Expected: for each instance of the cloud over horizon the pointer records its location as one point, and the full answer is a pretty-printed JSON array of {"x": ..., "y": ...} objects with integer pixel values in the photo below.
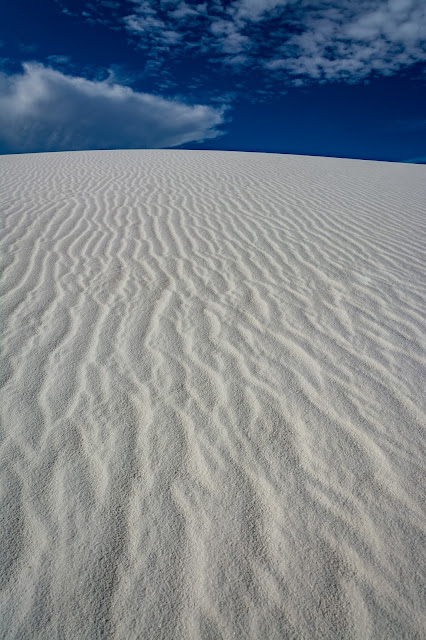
[{"x": 43, "y": 109}]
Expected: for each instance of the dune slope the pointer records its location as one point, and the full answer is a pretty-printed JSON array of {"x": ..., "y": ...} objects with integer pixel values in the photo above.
[{"x": 212, "y": 397}]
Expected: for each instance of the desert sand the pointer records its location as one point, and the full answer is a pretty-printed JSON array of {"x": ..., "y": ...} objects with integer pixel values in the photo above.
[{"x": 212, "y": 397}]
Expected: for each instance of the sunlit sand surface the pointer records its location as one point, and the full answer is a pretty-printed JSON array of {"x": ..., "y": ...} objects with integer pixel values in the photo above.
[{"x": 213, "y": 407}]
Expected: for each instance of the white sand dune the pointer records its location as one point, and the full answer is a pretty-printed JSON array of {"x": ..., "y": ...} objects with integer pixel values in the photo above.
[{"x": 213, "y": 409}]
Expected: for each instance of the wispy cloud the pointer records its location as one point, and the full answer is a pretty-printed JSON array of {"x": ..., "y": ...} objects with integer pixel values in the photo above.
[{"x": 43, "y": 109}]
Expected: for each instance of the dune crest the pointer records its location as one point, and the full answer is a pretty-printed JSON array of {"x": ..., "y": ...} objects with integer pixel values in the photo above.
[{"x": 212, "y": 396}]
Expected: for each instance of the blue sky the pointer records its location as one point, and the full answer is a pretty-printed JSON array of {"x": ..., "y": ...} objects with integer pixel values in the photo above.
[{"x": 313, "y": 77}]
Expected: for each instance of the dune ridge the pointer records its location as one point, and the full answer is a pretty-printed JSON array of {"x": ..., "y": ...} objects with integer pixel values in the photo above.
[{"x": 212, "y": 396}]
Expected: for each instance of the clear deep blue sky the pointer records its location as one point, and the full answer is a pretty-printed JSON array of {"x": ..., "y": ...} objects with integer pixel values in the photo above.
[{"x": 307, "y": 77}]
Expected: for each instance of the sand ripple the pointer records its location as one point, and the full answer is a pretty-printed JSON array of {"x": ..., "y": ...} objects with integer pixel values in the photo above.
[{"x": 213, "y": 409}]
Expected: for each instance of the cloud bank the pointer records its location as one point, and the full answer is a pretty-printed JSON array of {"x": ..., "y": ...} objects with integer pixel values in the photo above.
[{"x": 43, "y": 109}]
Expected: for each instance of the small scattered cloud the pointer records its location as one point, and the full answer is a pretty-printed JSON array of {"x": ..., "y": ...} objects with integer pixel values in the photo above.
[
  {"x": 183, "y": 10},
  {"x": 319, "y": 40},
  {"x": 43, "y": 109},
  {"x": 237, "y": 61},
  {"x": 229, "y": 37},
  {"x": 256, "y": 10},
  {"x": 287, "y": 42},
  {"x": 59, "y": 60},
  {"x": 349, "y": 41}
]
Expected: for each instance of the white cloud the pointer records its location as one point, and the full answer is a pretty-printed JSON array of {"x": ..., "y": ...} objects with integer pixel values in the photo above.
[
  {"x": 143, "y": 24},
  {"x": 46, "y": 110},
  {"x": 230, "y": 40},
  {"x": 183, "y": 11},
  {"x": 351, "y": 40},
  {"x": 255, "y": 10},
  {"x": 59, "y": 60},
  {"x": 323, "y": 40},
  {"x": 237, "y": 61}
]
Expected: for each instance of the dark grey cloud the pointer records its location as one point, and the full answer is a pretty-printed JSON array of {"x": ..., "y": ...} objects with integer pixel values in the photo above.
[{"x": 43, "y": 109}]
